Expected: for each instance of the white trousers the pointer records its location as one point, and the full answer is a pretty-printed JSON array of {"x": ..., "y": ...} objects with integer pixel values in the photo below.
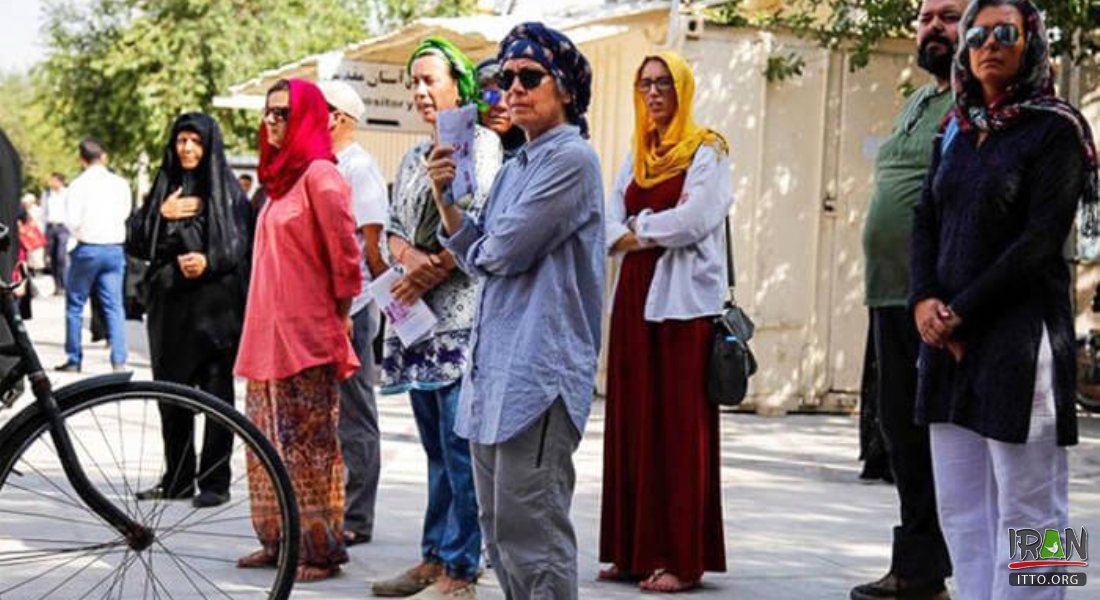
[{"x": 984, "y": 487}]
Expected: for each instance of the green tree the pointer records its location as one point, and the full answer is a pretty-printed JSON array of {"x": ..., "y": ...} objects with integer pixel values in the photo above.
[
  {"x": 38, "y": 138},
  {"x": 122, "y": 70},
  {"x": 858, "y": 25},
  {"x": 392, "y": 13}
]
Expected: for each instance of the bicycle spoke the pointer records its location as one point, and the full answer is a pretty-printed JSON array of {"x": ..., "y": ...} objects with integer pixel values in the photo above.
[
  {"x": 141, "y": 453},
  {"x": 89, "y": 456},
  {"x": 108, "y": 577},
  {"x": 119, "y": 573},
  {"x": 179, "y": 568},
  {"x": 153, "y": 576},
  {"x": 26, "y": 557},
  {"x": 50, "y": 481},
  {"x": 28, "y": 490},
  {"x": 55, "y": 568},
  {"x": 69, "y": 578},
  {"x": 222, "y": 510},
  {"x": 118, "y": 464},
  {"x": 24, "y": 513},
  {"x": 162, "y": 503}
]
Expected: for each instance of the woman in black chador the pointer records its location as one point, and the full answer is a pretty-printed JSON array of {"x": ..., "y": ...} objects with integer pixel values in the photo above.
[{"x": 191, "y": 230}]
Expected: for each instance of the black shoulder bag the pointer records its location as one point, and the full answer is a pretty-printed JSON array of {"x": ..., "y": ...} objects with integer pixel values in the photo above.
[{"x": 731, "y": 361}]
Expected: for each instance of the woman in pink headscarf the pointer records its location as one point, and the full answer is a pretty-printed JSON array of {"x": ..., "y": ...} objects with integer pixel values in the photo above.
[{"x": 295, "y": 345}]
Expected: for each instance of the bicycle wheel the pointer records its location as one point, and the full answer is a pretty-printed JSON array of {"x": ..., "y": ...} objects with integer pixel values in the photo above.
[{"x": 53, "y": 546}]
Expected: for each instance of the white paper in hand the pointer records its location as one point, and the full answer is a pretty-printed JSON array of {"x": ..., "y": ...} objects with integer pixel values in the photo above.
[
  {"x": 456, "y": 129},
  {"x": 412, "y": 323}
]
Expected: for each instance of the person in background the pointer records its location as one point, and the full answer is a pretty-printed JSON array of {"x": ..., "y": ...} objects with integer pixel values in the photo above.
[
  {"x": 990, "y": 292},
  {"x": 538, "y": 251},
  {"x": 31, "y": 234},
  {"x": 245, "y": 181},
  {"x": 919, "y": 561},
  {"x": 360, "y": 441},
  {"x": 493, "y": 109},
  {"x": 98, "y": 204},
  {"x": 55, "y": 201},
  {"x": 191, "y": 229},
  {"x": 295, "y": 347},
  {"x": 431, "y": 370}
]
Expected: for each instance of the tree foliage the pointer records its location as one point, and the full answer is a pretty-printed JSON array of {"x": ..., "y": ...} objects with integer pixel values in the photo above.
[
  {"x": 857, "y": 26},
  {"x": 37, "y": 136},
  {"x": 122, "y": 70}
]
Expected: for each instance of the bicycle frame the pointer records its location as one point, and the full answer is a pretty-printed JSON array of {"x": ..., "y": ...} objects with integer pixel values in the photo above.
[{"x": 137, "y": 536}]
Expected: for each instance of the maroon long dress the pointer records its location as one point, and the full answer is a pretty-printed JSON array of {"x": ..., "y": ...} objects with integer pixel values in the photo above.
[{"x": 662, "y": 498}]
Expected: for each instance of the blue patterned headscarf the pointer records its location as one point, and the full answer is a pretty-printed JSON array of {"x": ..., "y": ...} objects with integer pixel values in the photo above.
[{"x": 558, "y": 55}]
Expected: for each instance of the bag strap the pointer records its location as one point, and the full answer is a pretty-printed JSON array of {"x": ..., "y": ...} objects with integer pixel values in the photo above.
[{"x": 731, "y": 272}]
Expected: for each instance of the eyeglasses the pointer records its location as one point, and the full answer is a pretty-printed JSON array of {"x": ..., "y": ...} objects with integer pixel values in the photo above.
[
  {"x": 529, "y": 78},
  {"x": 1006, "y": 34},
  {"x": 277, "y": 113},
  {"x": 492, "y": 97},
  {"x": 663, "y": 84}
]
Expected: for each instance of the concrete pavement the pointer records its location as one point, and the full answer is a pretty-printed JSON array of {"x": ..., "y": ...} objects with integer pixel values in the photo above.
[{"x": 798, "y": 522}]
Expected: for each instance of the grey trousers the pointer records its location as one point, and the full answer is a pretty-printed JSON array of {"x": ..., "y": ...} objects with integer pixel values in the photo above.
[
  {"x": 525, "y": 488},
  {"x": 358, "y": 429}
]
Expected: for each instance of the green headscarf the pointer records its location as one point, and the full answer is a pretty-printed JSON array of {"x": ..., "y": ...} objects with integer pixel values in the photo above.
[{"x": 462, "y": 68}]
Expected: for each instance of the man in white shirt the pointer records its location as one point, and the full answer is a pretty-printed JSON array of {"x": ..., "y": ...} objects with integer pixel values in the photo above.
[
  {"x": 98, "y": 204},
  {"x": 358, "y": 429},
  {"x": 57, "y": 234}
]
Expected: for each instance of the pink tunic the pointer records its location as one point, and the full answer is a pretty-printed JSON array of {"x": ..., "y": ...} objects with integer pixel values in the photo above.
[{"x": 305, "y": 258}]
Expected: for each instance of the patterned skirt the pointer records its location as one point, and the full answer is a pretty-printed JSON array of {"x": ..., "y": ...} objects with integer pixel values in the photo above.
[{"x": 299, "y": 415}]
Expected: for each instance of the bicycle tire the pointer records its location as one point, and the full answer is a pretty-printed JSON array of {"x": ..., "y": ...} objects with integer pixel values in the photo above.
[{"x": 30, "y": 428}]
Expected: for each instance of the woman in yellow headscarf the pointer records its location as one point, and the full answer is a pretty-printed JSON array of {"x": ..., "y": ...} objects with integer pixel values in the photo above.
[{"x": 661, "y": 522}]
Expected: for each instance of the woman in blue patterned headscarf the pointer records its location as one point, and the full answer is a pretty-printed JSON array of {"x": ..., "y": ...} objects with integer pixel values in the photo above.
[
  {"x": 561, "y": 58},
  {"x": 538, "y": 251}
]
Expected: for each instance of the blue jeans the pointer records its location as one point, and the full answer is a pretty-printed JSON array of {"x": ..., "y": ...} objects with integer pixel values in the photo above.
[
  {"x": 100, "y": 268},
  {"x": 452, "y": 535}
]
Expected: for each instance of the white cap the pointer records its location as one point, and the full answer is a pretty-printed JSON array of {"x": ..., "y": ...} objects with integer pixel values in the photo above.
[{"x": 343, "y": 97}]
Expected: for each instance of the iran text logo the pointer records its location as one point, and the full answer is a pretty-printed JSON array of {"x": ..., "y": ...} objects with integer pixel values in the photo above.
[{"x": 1029, "y": 549}]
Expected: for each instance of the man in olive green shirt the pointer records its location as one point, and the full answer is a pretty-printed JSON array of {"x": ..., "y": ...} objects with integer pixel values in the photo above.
[{"x": 920, "y": 563}]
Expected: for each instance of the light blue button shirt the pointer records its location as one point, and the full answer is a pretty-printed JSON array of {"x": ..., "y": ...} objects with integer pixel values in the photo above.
[{"x": 538, "y": 250}]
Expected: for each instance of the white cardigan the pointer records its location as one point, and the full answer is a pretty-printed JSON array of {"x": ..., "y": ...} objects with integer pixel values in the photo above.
[{"x": 690, "y": 280}]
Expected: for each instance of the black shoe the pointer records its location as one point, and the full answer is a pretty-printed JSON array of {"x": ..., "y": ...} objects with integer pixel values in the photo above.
[
  {"x": 68, "y": 367},
  {"x": 207, "y": 499},
  {"x": 157, "y": 492},
  {"x": 893, "y": 587}
]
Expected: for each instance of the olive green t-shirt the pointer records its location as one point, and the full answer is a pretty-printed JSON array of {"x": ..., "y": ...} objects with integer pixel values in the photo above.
[{"x": 900, "y": 170}]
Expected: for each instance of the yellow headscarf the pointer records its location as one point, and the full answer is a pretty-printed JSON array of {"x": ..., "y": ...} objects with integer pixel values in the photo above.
[{"x": 656, "y": 159}]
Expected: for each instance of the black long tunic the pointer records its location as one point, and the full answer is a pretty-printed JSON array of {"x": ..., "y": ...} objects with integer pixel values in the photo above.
[
  {"x": 988, "y": 239},
  {"x": 191, "y": 321}
]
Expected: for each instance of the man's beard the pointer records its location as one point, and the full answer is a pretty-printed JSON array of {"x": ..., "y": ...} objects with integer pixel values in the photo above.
[{"x": 936, "y": 63}]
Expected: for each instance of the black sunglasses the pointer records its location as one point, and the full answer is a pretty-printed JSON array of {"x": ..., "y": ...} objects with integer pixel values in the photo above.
[
  {"x": 529, "y": 78},
  {"x": 277, "y": 113},
  {"x": 1006, "y": 34}
]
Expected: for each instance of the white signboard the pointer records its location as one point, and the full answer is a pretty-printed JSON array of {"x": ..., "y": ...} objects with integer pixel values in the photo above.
[{"x": 384, "y": 89}]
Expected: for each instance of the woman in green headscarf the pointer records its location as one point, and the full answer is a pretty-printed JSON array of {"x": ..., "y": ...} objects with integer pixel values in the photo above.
[{"x": 441, "y": 77}]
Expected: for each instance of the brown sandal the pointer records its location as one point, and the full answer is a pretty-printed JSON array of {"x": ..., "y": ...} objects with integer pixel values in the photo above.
[
  {"x": 310, "y": 573},
  {"x": 658, "y": 583},
  {"x": 259, "y": 559}
]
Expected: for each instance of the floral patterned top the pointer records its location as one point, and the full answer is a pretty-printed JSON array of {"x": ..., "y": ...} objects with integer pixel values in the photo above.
[{"x": 439, "y": 360}]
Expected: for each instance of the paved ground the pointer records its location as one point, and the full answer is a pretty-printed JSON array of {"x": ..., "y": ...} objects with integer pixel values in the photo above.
[{"x": 798, "y": 523}]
